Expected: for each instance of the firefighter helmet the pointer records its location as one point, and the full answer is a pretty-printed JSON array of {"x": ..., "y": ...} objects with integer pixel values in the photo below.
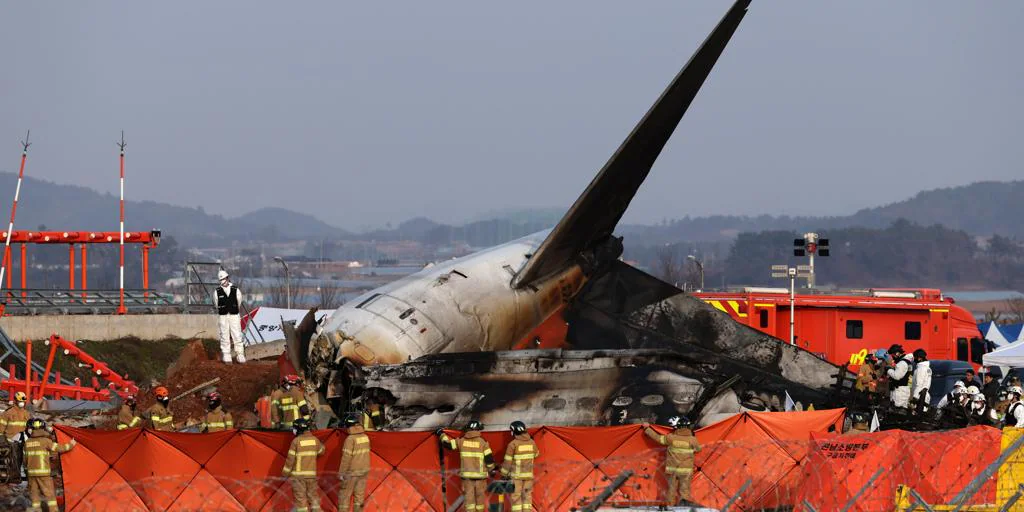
[
  {"x": 1016, "y": 390},
  {"x": 213, "y": 399},
  {"x": 973, "y": 390},
  {"x": 978, "y": 397},
  {"x": 351, "y": 419},
  {"x": 291, "y": 380},
  {"x": 474, "y": 425},
  {"x": 517, "y": 428},
  {"x": 300, "y": 425},
  {"x": 678, "y": 422},
  {"x": 130, "y": 399},
  {"x": 36, "y": 424},
  {"x": 20, "y": 397},
  {"x": 161, "y": 392}
]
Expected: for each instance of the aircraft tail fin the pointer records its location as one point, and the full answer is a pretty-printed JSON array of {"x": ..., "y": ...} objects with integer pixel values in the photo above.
[{"x": 593, "y": 217}]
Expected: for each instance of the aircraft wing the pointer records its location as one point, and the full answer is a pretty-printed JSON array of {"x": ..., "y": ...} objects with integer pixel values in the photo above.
[{"x": 594, "y": 215}]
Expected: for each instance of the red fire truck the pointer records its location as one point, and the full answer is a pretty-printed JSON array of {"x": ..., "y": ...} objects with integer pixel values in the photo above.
[{"x": 845, "y": 327}]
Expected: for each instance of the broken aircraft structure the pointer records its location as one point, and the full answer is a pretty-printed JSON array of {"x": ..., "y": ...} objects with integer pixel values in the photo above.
[{"x": 434, "y": 346}]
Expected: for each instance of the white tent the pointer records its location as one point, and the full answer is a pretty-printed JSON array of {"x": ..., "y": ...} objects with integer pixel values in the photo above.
[
  {"x": 1011, "y": 355},
  {"x": 990, "y": 331}
]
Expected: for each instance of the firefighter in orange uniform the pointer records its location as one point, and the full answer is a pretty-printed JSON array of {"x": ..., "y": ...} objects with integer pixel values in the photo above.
[
  {"x": 681, "y": 445},
  {"x": 38, "y": 450},
  {"x": 159, "y": 414},
  {"x": 355, "y": 465},
  {"x": 300, "y": 466},
  {"x": 286, "y": 401},
  {"x": 126, "y": 417},
  {"x": 216, "y": 420},
  {"x": 14, "y": 420},
  {"x": 518, "y": 466},
  {"x": 476, "y": 461}
]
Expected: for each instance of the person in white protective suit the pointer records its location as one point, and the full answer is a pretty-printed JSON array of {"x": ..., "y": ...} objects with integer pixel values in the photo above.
[
  {"x": 227, "y": 300},
  {"x": 922, "y": 380},
  {"x": 1015, "y": 413},
  {"x": 901, "y": 373}
]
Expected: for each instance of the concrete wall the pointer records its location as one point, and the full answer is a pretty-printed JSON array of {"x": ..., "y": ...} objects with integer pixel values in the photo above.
[{"x": 109, "y": 327}]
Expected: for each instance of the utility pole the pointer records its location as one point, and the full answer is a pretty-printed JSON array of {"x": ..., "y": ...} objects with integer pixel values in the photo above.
[
  {"x": 810, "y": 245},
  {"x": 287, "y": 281},
  {"x": 121, "y": 309},
  {"x": 699, "y": 266},
  {"x": 784, "y": 271}
]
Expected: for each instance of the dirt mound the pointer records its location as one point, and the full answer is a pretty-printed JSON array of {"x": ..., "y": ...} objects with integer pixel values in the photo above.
[
  {"x": 240, "y": 386},
  {"x": 194, "y": 351}
]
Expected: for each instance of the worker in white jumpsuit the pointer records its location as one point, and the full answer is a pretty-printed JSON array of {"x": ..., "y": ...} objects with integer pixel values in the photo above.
[
  {"x": 900, "y": 375},
  {"x": 1015, "y": 413},
  {"x": 922, "y": 378},
  {"x": 227, "y": 300}
]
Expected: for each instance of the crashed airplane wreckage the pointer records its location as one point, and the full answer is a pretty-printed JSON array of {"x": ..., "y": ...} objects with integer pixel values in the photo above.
[{"x": 436, "y": 346}]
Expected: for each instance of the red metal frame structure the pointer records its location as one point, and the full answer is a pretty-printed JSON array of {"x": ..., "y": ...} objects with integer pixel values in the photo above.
[
  {"x": 148, "y": 240},
  {"x": 37, "y": 388}
]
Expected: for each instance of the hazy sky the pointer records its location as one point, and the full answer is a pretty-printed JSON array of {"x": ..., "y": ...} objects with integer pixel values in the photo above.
[{"x": 369, "y": 112}]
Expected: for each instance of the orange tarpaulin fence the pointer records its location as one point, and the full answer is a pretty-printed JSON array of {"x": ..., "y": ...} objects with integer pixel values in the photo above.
[{"x": 784, "y": 455}]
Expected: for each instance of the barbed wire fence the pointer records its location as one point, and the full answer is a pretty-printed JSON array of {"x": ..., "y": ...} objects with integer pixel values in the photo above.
[{"x": 967, "y": 469}]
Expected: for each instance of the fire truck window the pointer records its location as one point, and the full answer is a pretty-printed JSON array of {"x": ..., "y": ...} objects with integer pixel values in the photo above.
[
  {"x": 977, "y": 350},
  {"x": 961, "y": 349},
  {"x": 912, "y": 330},
  {"x": 764, "y": 318},
  {"x": 854, "y": 329}
]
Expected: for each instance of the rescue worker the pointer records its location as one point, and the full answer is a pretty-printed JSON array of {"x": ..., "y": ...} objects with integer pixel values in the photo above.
[
  {"x": 159, "y": 414},
  {"x": 900, "y": 375},
  {"x": 922, "y": 380},
  {"x": 1015, "y": 413},
  {"x": 14, "y": 420},
  {"x": 262, "y": 410},
  {"x": 227, "y": 300},
  {"x": 355, "y": 465},
  {"x": 286, "y": 401},
  {"x": 518, "y": 466},
  {"x": 953, "y": 396},
  {"x": 300, "y": 466},
  {"x": 373, "y": 415},
  {"x": 38, "y": 450},
  {"x": 867, "y": 375},
  {"x": 476, "y": 461},
  {"x": 126, "y": 417},
  {"x": 682, "y": 445},
  {"x": 981, "y": 413},
  {"x": 216, "y": 420}
]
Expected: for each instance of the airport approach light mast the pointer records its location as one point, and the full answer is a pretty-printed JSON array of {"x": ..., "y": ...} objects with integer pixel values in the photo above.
[
  {"x": 810, "y": 245},
  {"x": 14, "y": 208},
  {"x": 121, "y": 309}
]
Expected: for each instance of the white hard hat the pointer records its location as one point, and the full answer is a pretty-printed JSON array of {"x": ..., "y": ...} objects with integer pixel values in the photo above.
[
  {"x": 1017, "y": 390},
  {"x": 960, "y": 384},
  {"x": 973, "y": 390},
  {"x": 978, "y": 397},
  {"x": 222, "y": 275}
]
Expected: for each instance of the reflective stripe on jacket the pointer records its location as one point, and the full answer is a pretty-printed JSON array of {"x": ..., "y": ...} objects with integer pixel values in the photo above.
[
  {"x": 475, "y": 456},
  {"x": 161, "y": 418},
  {"x": 284, "y": 405},
  {"x": 38, "y": 450},
  {"x": 13, "y": 421},
  {"x": 126, "y": 418},
  {"x": 681, "y": 446},
  {"x": 355, "y": 453},
  {"x": 519, "y": 457},
  {"x": 217, "y": 420},
  {"x": 302, "y": 454}
]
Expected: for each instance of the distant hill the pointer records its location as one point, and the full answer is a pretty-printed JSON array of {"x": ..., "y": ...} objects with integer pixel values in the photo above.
[
  {"x": 68, "y": 207},
  {"x": 982, "y": 208}
]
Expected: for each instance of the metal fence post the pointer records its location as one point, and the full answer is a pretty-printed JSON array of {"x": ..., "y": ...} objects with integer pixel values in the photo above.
[
  {"x": 853, "y": 499},
  {"x": 736, "y": 496}
]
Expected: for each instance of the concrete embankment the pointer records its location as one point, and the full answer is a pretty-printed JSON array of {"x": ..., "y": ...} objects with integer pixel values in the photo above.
[{"x": 110, "y": 327}]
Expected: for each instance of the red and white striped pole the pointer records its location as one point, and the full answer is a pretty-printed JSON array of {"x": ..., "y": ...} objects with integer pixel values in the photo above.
[
  {"x": 121, "y": 309},
  {"x": 14, "y": 208}
]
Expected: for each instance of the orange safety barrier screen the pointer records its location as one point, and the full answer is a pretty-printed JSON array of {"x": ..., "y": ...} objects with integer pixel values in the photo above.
[
  {"x": 938, "y": 465},
  {"x": 788, "y": 457}
]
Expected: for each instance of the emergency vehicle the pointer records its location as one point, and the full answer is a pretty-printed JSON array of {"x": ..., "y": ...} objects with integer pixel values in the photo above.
[{"x": 845, "y": 327}]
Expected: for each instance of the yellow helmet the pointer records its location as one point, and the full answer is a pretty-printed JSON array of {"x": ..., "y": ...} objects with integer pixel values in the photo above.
[{"x": 20, "y": 397}]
